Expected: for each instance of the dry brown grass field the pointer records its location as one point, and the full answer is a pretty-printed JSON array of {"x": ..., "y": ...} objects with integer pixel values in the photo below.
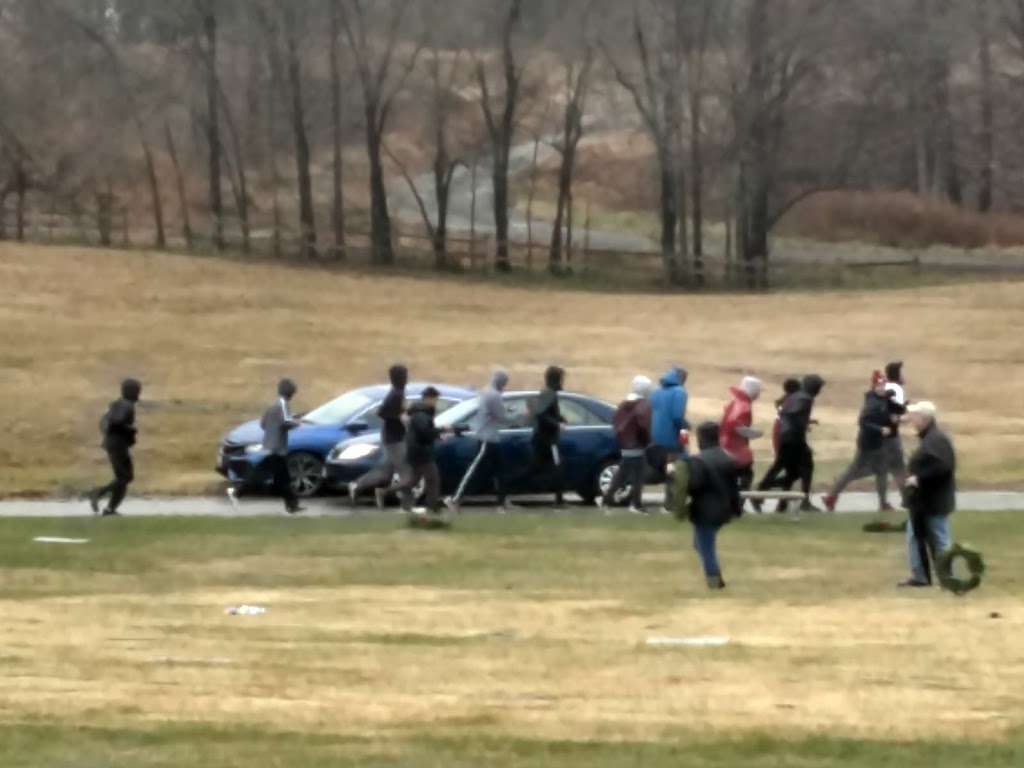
[{"x": 210, "y": 337}]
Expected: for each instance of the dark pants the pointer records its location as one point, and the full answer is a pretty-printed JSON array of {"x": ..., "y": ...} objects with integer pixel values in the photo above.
[
  {"x": 277, "y": 467},
  {"x": 865, "y": 464},
  {"x": 488, "y": 459},
  {"x": 544, "y": 471},
  {"x": 793, "y": 462},
  {"x": 630, "y": 472},
  {"x": 431, "y": 478},
  {"x": 392, "y": 463},
  {"x": 124, "y": 473},
  {"x": 661, "y": 457},
  {"x": 705, "y": 539}
]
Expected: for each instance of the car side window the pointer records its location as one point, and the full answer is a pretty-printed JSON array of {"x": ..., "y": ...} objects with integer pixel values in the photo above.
[
  {"x": 577, "y": 415},
  {"x": 518, "y": 410},
  {"x": 444, "y": 404}
]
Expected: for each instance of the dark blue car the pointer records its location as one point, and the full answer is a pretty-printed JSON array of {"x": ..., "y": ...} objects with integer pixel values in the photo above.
[
  {"x": 588, "y": 448},
  {"x": 354, "y": 413}
]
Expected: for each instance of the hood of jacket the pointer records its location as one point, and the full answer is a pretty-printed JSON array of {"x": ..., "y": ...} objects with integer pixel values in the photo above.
[
  {"x": 419, "y": 408},
  {"x": 554, "y": 378},
  {"x": 675, "y": 377},
  {"x": 131, "y": 390},
  {"x": 398, "y": 375},
  {"x": 813, "y": 385},
  {"x": 499, "y": 379}
]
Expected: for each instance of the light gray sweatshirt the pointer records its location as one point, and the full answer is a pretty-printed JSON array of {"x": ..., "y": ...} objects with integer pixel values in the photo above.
[{"x": 492, "y": 416}]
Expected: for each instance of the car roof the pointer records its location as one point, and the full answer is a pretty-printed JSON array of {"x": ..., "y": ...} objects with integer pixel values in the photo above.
[{"x": 378, "y": 391}]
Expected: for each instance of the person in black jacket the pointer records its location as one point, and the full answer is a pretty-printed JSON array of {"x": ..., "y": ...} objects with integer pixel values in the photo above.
[
  {"x": 796, "y": 459},
  {"x": 421, "y": 436},
  {"x": 930, "y": 495},
  {"x": 119, "y": 433},
  {"x": 714, "y": 499},
  {"x": 545, "y": 468},
  {"x": 392, "y": 437},
  {"x": 875, "y": 425}
]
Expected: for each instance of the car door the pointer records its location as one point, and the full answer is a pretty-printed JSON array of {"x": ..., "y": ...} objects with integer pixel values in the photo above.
[
  {"x": 585, "y": 442},
  {"x": 455, "y": 454},
  {"x": 515, "y": 439}
]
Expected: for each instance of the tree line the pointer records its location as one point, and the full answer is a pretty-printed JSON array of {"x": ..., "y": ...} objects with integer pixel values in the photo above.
[{"x": 749, "y": 107}]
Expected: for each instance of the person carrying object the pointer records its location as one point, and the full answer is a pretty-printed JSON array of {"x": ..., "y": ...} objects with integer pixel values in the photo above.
[
  {"x": 632, "y": 424},
  {"x": 119, "y": 434}
]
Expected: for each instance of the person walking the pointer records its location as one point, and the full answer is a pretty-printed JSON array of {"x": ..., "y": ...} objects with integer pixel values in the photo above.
[
  {"x": 668, "y": 418},
  {"x": 392, "y": 436},
  {"x": 895, "y": 464},
  {"x": 796, "y": 458},
  {"x": 875, "y": 424},
  {"x": 737, "y": 428},
  {"x": 632, "y": 424},
  {"x": 277, "y": 422},
  {"x": 119, "y": 434},
  {"x": 714, "y": 499},
  {"x": 930, "y": 494},
  {"x": 491, "y": 418},
  {"x": 421, "y": 436}
]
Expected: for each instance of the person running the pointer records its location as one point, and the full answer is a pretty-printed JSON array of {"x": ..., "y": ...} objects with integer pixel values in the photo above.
[
  {"x": 875, "y": 424},
  {"x": 421, "y": 436},
  {"x": 789, "y": 387},
  {"x": 931, "y": 493},
  {"x": 277, "y": 422},
  {"x": 668, "y": 419},
  {"x": 491, "y": 418},
  {"x": 737, "y": 428},
  {"x": 119, "y": 434},
  {"x": 714, "y": 499},
  {"x": 632, "y": 424},
  {"x": 796, "y": 459},
  {"x": 545, "y": 467},
  {"x": 895, "y": 464},
  {"x": 392, "y": 436}
]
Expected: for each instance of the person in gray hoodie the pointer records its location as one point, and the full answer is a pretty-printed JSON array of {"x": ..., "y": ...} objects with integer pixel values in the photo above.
[
  {"x": 277, "y": 422},
  {"x": 491, "y": 418}
]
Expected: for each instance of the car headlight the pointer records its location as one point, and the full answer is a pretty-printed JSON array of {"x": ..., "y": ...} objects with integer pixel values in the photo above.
[
  {"x": 355, "y": 452},
  {"x": 254, "y": 448}
]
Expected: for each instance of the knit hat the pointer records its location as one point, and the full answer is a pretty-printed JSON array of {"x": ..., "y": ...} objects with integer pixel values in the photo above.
[
  {"x": 751, "y": 386},
  {"x": 640, "y": 388},
  {"x": 894, "y": 371}
]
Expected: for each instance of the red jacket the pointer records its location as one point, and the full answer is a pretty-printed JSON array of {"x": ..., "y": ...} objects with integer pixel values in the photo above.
[{"x": 738, "y": 413}]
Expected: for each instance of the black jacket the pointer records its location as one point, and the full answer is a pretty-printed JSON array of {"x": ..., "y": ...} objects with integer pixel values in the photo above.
[
  {"x": 714, "y": 483},
  {"x": 795, "y": 415},
  {"x": 118, "y": 425},
  {"x": 547, "y": 416},
  {"x": 874, "y": 417},
  {"x": 422, "y": 434},
  {"x": 934, "y": 466}
]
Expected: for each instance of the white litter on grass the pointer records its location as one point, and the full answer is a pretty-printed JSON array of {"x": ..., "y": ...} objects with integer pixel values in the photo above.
[
  {"x": 58, "y": 540},
  {"x": 245, "y": 610},
  {"x": 689, "y": 642}
]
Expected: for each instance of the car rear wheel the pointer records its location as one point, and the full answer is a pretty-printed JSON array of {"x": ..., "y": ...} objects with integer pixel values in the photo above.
[
  {"x": 603, "y": 481},
  {"x": 307, "y": 473}
]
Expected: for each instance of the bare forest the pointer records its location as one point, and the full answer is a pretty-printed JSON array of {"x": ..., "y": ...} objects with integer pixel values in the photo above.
[{"x": 513, "y": 133}]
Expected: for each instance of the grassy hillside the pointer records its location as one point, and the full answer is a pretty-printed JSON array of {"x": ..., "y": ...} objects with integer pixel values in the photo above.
[{"x": 211, "y": 337}]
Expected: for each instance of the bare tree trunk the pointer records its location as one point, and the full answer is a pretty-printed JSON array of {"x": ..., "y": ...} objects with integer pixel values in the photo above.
[
  {"x": 273, "y": 134},
  {"x": 237, "y": 173},
  {"x": 697, "y": 184},
  {"x": 307, "y": 222},
  {"x": 472, "y": 214},
  {"x": 213, "y": 124},
  {"x": 21, "y": 190},
  {"x": 986, "y": 182},
  {"x": 337, "y": 201},
  {"x": 179, "y": 180},
  {"x": 531, "y": 195},
  {"x": 668, "y": 214}
]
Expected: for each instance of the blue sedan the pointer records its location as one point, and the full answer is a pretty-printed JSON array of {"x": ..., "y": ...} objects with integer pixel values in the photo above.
[
  {"x": 354, "y": 413},
  {"x": 587, "y": 446}
]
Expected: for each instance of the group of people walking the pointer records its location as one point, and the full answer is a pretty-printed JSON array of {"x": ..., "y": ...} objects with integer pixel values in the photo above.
[{"x": 653, "y": 433}]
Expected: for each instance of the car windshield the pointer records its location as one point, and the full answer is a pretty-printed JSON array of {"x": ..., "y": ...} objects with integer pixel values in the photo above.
[
  {"x": 340, "y": 410},
  {"x": 457, "y": 413}
]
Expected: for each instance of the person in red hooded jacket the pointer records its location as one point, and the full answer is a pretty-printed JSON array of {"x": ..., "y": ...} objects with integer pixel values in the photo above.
[{"x": 737, "y": 428}]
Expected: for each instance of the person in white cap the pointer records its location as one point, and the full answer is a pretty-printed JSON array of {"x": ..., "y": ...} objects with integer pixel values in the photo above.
[
  {"x": 632, "y": 424},
  {"x": 930, "y": 495}
]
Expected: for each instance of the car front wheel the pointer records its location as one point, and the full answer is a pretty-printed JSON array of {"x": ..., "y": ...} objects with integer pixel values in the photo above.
[
  {"x": 603, "y": 481},
  {"x": 307, "y": 473}
]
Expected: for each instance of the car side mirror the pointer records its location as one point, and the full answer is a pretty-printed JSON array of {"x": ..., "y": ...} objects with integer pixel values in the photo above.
[{"x": 357, "y": 427}]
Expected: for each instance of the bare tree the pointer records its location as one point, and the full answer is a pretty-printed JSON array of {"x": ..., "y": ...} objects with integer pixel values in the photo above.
[
  {"x": 500, "y": 121},
  {"x": 380, "y": 86},
  {"x": 987, "y": 105},
  {"x": 307, "y": 220},
  {"x": 208, "y": 12},
  {"x": 179, "y": 183},
  {"x": 337, "y": 200}
]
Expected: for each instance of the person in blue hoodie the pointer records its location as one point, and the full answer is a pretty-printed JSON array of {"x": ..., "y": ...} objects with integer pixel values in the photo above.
[{"x": 668, "y": 418}]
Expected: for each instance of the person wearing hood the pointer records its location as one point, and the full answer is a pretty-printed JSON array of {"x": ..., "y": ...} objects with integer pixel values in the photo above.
[
  {"x": 545, "y": 468},
  {"x": 930, "y": 493},
  {"x": 875, "y": 425},
  {"x": 392, "y": 437},
  {"x": 737, "y": 428},
  {"x": 491, "y": 418},
  {"x": 277, "y": 422},
  {"x": 119, "y": 434},
  {"x": 796, "y": 459},
  {"x": 668, "y": 418},
  {"x": 714, "y": 499},
  {"x": 895, "y": 464},
  {"x": 632, "y": 424},
  {"x": 421, "y": 436}
]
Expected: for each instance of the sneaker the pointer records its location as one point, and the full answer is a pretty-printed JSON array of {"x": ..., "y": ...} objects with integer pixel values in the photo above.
[
  {"x": 380, "y": 497},
  {"x": 601, "y": 503},
  {"x": 110, "y": 513},
  {"x": 353, "y": 493},
  {"x": 716, "y": 582},
  {"x": 783, "y": 507},
  {"x": 887, "y": 507},
  {"x": 232, "y": 494},
  {"x": 637, "y": 510},
  {"x": 913, "y": 584},
  {"x": 295, "y": 510},
  {"x": 757, "y": 505},
  {"x": 94, "y": 503},
  {"x": 453, "y": 506},
  {"x": 807, "y": 506},
  {"x": 830, "y": 501}
]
